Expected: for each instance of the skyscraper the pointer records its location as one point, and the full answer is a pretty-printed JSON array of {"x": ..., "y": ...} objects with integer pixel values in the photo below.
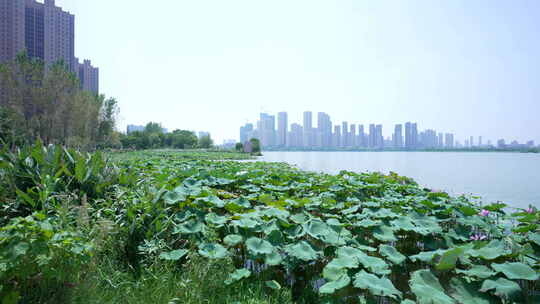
[
  {"x": 344, "y": 134},
  {"x": 398, "y": 136},
  {"x": 282, "y": 129},
  {"x": 295, "y": 138},
  {"x": 308, "y": 129},
  {"x": 324, "y": 130},
  {"x": 471, "y": 141},
  {"x": 337, "y": 136},
  {"x": 46, "y": 32},
  {"x": 441, "y": 140},
  {"x": 372, "y": 143},
  {"x": 361, "y": 136},
  {"x": 449, "y": 140},
  {"x": 88, "y": 76},
  {"x": 352, "y": 136},
  {"x": 267, "y": 129},
  {"x": 245, "y": 132},
  {"x": 379, "y": 139}
]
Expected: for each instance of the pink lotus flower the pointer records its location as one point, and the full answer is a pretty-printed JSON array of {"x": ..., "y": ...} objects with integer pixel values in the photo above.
[
  {"x": 478, "y": 237},
  {"x": 530, "y": 210},
  {"x": 484, "y": 212}
]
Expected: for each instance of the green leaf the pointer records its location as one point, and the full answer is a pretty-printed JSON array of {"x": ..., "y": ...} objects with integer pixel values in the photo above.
[
  {"x": 273, "y": 259},
  {"x": 237, "y": 275},
  {"x": 468, "y": 293},
  {"x": 174, "y": 255},
  {"x": 516, "y": 271},
  {"x": 273, "y": 285},
  {"x": 215, "y": 219},
  {"x": 213, "y": 251},
  {"x": 259, "y": 246},
  {"x": 332, "y": 286},
  {"x": 449, "y": 259},
  {"x": 427, "y": 288},
  {"x": 479, "y": 271},
  {"x": 392, "y": 254},
  {"x": 26, "y": 198},
  {"x": 491, "y": 251},
  {"x": 302, "y": 251},
  {"x": 384, "y": 234},
  {"x": 503, "y": 288},
  {"x": 374, "y": 264},
  {"x": 377, "y": 286},
  {"x": 189, "y": 227},
  {"x": 20, "y": 249},
  {"x": 535, "y": 238},
  {"x": 232, "y": 240}
]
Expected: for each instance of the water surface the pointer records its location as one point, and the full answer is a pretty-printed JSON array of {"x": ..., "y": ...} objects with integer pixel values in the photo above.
[{"x": 512, "y": 178}]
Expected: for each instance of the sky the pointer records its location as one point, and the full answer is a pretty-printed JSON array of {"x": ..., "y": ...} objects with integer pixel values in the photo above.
[{"x": 467, "y": 67}]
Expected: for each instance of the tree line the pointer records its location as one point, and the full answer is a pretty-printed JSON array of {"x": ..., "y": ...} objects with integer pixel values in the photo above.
[
  {"x": 153, "y": 136},
  {"x": 47, "y": 103}
]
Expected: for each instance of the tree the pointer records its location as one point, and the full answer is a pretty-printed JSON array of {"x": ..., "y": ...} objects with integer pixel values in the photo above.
[
  {"x": 255, "y": 145},
  {"x": 183, "y": 139},
  {"x": 206, "y": 142},
  {"x": 239, "y": 147}
]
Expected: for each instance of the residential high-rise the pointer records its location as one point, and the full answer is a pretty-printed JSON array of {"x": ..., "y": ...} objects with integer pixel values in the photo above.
[
  {"x": 344, "y": 134},
  {"x": 308, "y": 129},
  {"x": 246, "y": 132},
  {"x": 362, "y": 142},
  {"x": 295, "y": 138},
  {"x": 352, "y": 136},
  {"x": 471, "y": 141},
  {"x": 88, "y": 76},
  {"x": 266, "y": 127},
  {"x": 324, "y": 130},
  {"x": 337, "y": 136},
  {"x": 441, "y": 140},
  {"x": 46, "y": 32},
  {"x": 282, "y": 129},
  {"x": 449, "y": 140},
  {"x": 372, "y": 142},
  {"x": 398, "y": 136},
  {"x": 479, "y": 141},
  {"x": 379, "y": 139},
  {"x": 12, "y": 28}
]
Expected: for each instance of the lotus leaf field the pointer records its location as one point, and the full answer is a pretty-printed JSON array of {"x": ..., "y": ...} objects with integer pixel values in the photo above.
[{"x": 301, "y": 237}]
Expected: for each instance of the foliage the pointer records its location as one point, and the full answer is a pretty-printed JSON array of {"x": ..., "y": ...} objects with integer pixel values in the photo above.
[
  {"x": 206, "y": 142},
  {"x": 153, "y": 137},
  {"x": 180, "y": 224},
  {"x": 239, "y": 147},
  {"x": 255, "y": 145},
  {"x": 47, "y": 103}
]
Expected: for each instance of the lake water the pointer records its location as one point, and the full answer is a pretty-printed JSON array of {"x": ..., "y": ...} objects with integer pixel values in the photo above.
[{"x": 512, "y": 178}]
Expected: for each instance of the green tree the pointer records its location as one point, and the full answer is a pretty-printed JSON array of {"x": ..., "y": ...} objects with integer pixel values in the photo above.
[
  {"x": 206, "y": 142},
  {"x": 239, "y": 147},
  {"x": 255, "y": 145}
]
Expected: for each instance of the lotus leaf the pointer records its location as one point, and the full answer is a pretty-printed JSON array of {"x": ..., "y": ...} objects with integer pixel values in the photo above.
[{"x": 377, "y": 286}]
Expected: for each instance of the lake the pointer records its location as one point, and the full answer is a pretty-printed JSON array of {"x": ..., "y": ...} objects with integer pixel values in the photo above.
[{"x": 512, "y": 178}]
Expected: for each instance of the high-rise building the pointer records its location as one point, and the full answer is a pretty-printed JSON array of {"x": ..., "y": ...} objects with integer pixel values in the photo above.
[
  {"x": 295, "y": 138},
  {"x": 344, "y": 134},
  {"x": 12, "y": 28},
  {"x": 46, "y": 32},
  {"x": 449, "y": 140},
  {"x": 379, "y": 139},
  {"x": 266, "y": 127},
  {"x": 352, "y": 136},
  {"x": 397, "y": 139},
  {"x": 88, "y": 76},
  {"x": 441, "y": 140},
  {"x": 337, "y": 136},
  {"x": 246, "y": 132},
  {"x": 282, "y": 129},
  {"x": 414, "y": 135},
  {"x": 324, "y": 130},
  {"x": 479, "y": 141},
  {"x": 308, "y": 129},
  {"x": 362, "y": 142},
  {"x": 471, "y": 141}
]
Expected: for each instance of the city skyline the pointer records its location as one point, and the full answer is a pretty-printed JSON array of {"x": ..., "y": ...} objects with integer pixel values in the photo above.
[
  {"x": 393, "y": 60},
  {"x": 344, "y": 135}
]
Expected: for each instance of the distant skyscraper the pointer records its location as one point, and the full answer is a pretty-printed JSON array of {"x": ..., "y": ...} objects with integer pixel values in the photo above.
[
  {"x": 295, "y": 138},
  {"x": 361, "y": 136},
  {"x": 267, "y": 129},
  {"x": 344, "y": 134},
  {"x": 379, "y": 139},
  {"x": 471, "y": 141},
  {"x": 246, "y": 132},
  {"x": 372, "y": 136},
  {"x": 408, "y": 135},
  {"x": 324, "y": 130},
  {"x": 282, "y": 129},
  {"x": 352, "y": 136},
  {"x": 441, "y": 140},
  {"x": 308, "y": 129},
  {"x": 449, "y": 140},
  {"x": 337, "y": 136},
  {"x": 414, "y": 135},
  {"x": 480, "y": 141},
  {"x": 398, "y": 136}
]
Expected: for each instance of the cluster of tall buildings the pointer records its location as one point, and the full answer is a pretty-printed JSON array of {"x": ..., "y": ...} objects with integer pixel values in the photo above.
[
  {"x": 344, "y": 135},
  {"x": 46, "y": 32}
]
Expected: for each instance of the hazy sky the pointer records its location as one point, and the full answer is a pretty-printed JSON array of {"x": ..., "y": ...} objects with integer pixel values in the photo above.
[{"x": 468, "y": 67}]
